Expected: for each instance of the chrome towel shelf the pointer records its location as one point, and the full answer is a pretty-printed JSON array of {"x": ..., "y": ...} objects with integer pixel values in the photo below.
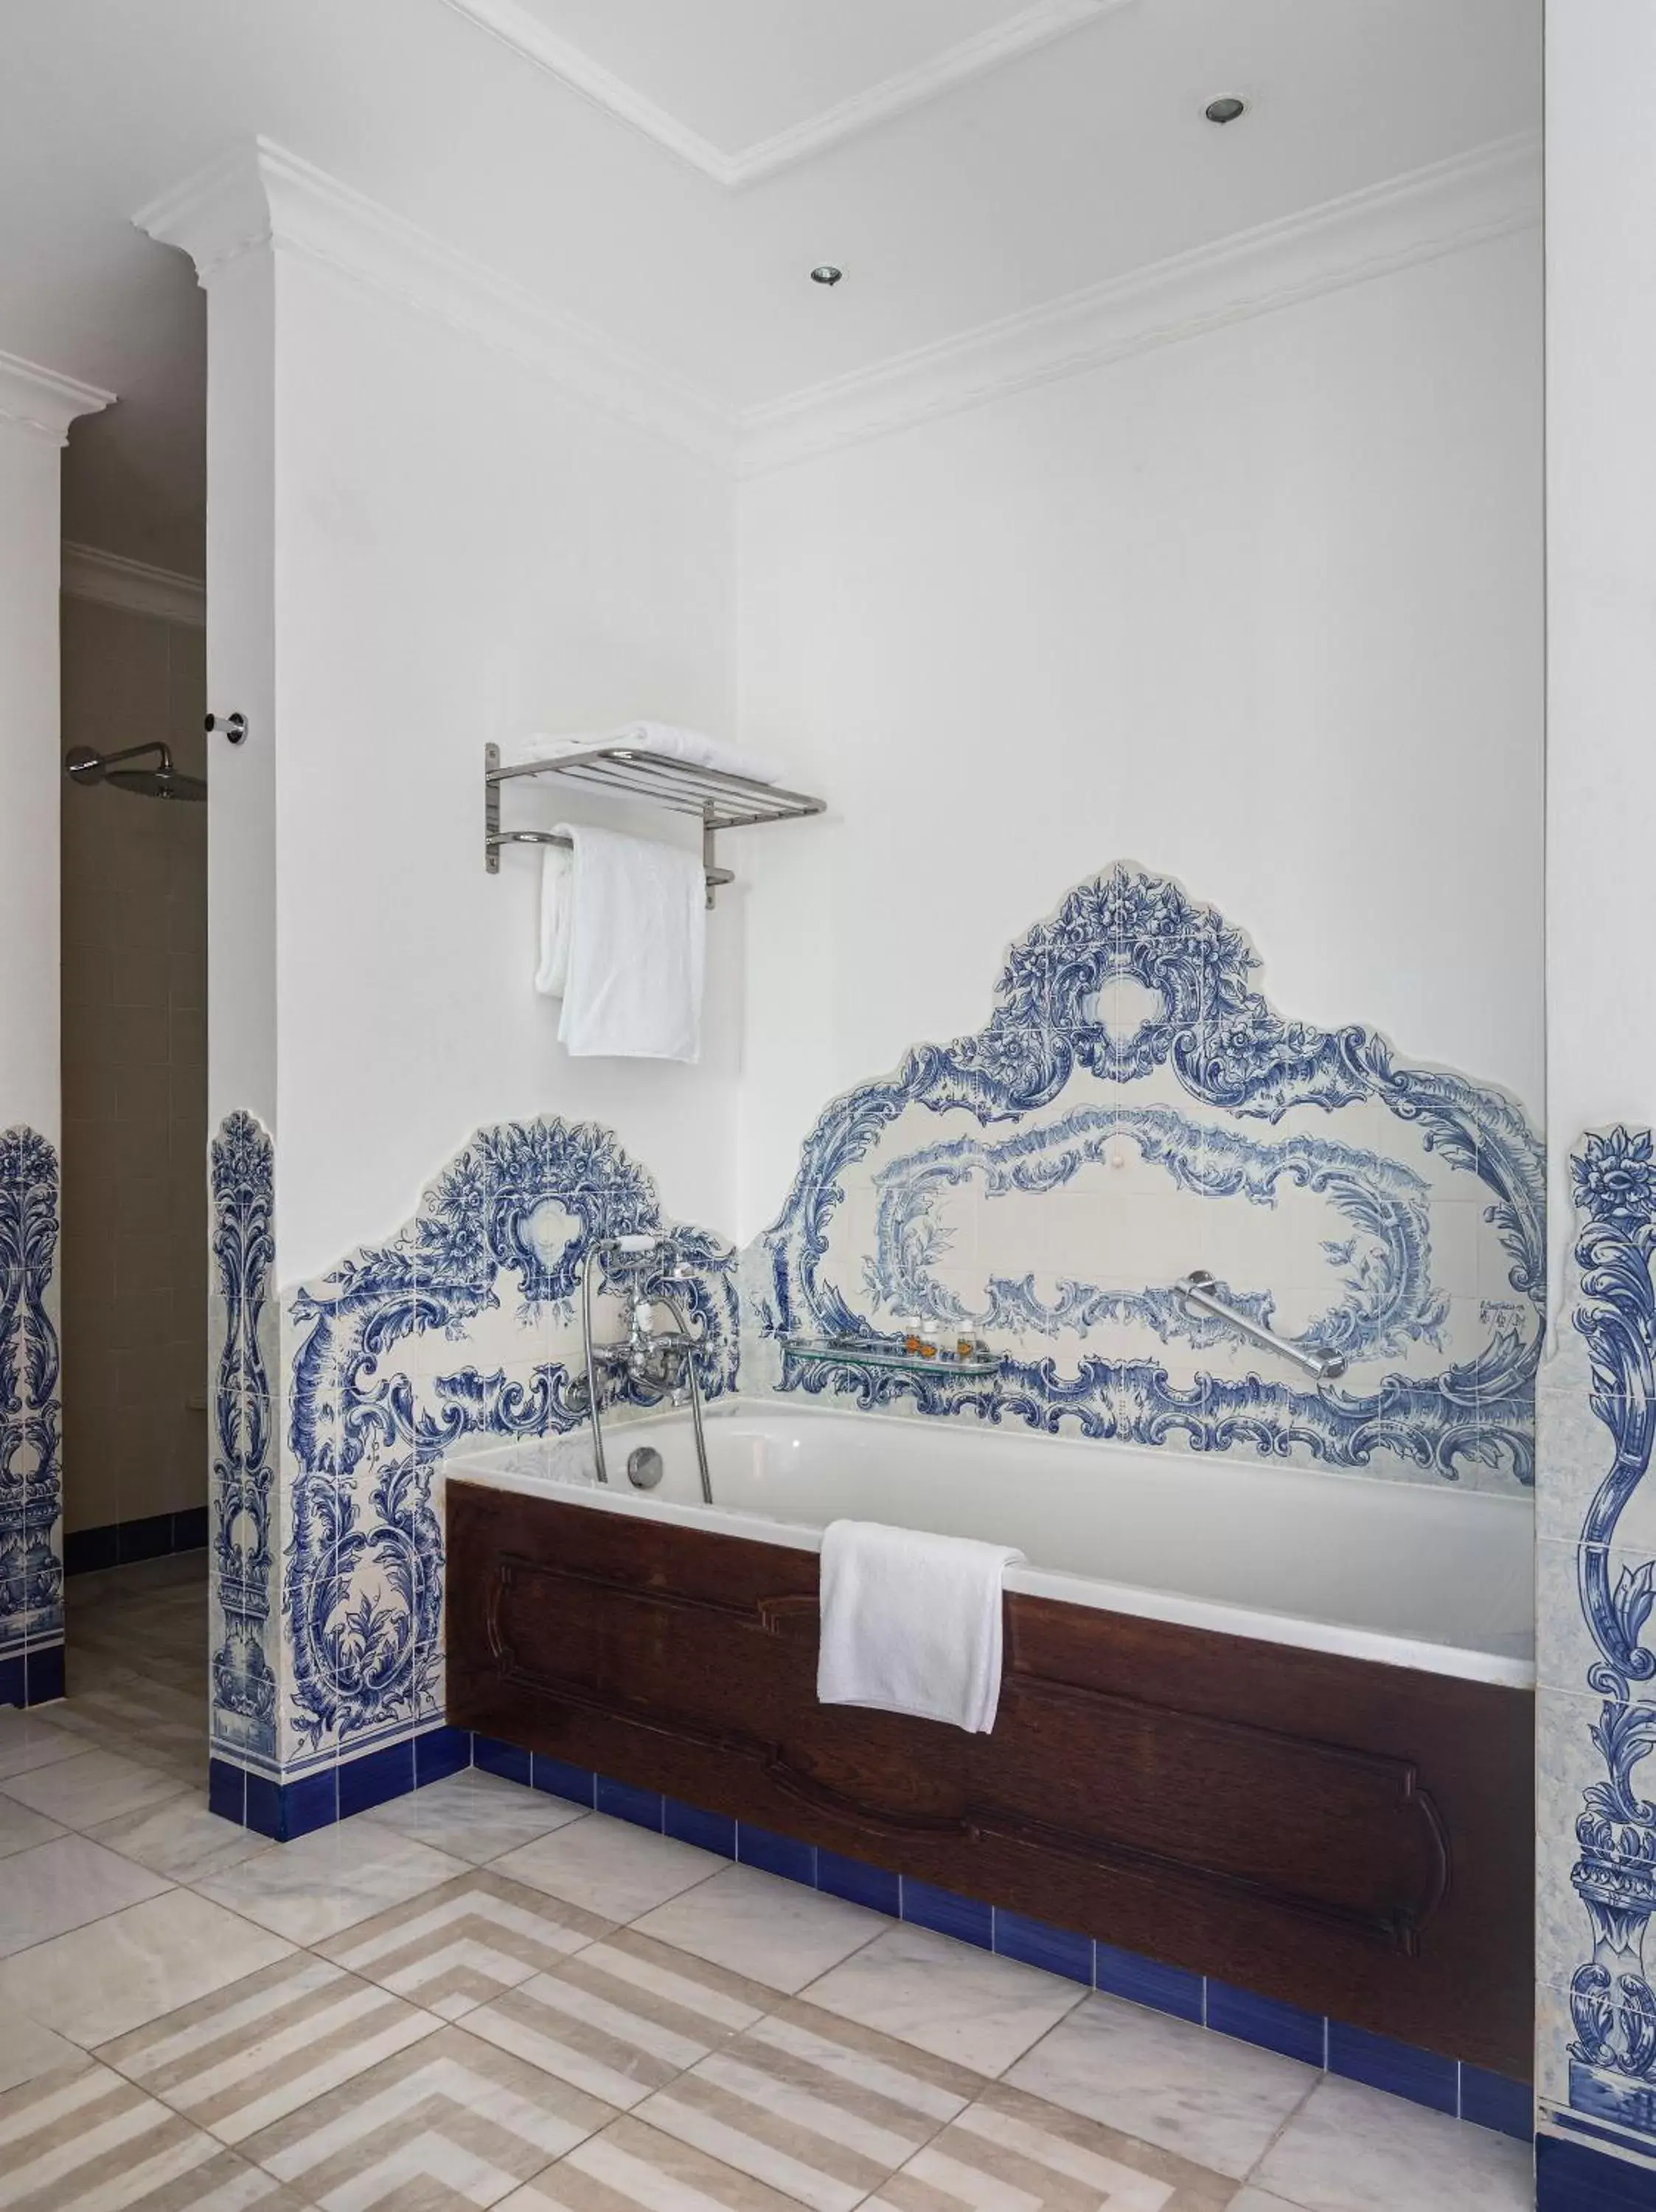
[{"x": 718, "y": 800}]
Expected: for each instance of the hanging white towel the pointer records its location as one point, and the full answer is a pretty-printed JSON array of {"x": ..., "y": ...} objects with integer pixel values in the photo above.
[
  {"x": 552, "y": 972},
  {"x": 693, "y": 747},
  {"x": 911, "y": 1623},
  {"x": 637, "y": 948}
]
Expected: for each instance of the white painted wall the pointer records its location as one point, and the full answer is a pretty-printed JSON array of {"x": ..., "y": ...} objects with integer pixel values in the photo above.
[
  {"x": 30, "y": 775},
  {"x": 1261, "y": 610},
  {"x": 462, "y": 553},
  {"x": 241, "y": 855},
  {"x": 1601, "y": 586}
]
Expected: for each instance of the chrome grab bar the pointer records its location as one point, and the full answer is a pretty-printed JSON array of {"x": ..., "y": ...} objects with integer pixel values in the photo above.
[{"x": 1197, "y": 1289}]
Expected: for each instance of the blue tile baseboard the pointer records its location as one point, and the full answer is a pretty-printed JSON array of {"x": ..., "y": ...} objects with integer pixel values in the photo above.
[
  {"x": 1572, "y": 2177},
  {"x": 33, "y": 1676},
  {"x": 1469, "y": 2093},
  {"x": 121, "y": 1543},
  {"x": 1398, "y": 2068}
]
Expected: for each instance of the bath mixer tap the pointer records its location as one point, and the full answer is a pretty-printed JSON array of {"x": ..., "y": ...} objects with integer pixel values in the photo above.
[{"x": 661, "y": 1362}]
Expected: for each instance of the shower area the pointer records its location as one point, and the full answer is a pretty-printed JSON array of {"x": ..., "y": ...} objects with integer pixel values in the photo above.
[{"x": 134, "y": 1261}]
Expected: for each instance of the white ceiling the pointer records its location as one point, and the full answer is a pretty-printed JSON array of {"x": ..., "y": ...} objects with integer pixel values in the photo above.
[{"x": 967, "y": 194}]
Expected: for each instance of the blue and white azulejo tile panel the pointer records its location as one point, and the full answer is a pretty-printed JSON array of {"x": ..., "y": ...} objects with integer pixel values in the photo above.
[
  {"x": 464, "y": 1327},
  {"x": 1597, "y": 1825},
  {"x": 242, "y": 1519},
  {"x": 31, "y": 1417},
  {"x": 1134, "y": 1110}
]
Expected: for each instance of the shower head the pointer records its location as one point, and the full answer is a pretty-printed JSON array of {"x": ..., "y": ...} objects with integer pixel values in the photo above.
[
  {"x": 159, "y": 780},
  {"x": 163, "y": 782}
]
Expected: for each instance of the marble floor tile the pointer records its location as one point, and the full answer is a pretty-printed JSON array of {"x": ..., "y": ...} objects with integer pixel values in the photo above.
[
  {"x": 757, "y": 1924},
  {"x": 181, "y": 1840},
  {"x": 452, "y": 2120},
  {"x": 1012, "y": 2149},
  {"x": 1261, "y": 2200},
  {"x": 1351, "y": 2149},
  {"x": 310, "y": 1890},
  {"x": 98, "y": 1786},
  {"x": 28, "y": 1740},
  {"x": 246, "y": 2055},
  {"x": 610, "y": 1867},
  {"x": 100, "y": 1981},
  {"x": 633, "y": 2164},
  {"x": 19, "y": 1829},
  {"x": 1212, "y": 2100},
  {"x": 815, "y": 2106},
  {"x": 623, "y": 2017},
  {"x": 949, "y": 1998},
  {"x": 475, "y": 1816},
  {"x": 63, "y": 1884},
  {"x": 143, "y": 1580},
  {"x": 27, "y": 2050},
  {"x": 453, "y": 1947},
  {"x": 86, "y": 2141}
]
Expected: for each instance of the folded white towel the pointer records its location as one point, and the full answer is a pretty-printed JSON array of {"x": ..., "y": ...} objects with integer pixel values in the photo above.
[
  {"x": 637, "y": 948},
  {"x": 912, "y": 1622},
  {"x": 552, "y": 975},
  {"x": 692, "y": 746}
]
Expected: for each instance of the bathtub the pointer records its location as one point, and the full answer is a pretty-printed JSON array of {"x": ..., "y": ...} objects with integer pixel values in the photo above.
[
  {"x": 1411, "y": 1574},
  {"x": 1272, "y": 1725}
]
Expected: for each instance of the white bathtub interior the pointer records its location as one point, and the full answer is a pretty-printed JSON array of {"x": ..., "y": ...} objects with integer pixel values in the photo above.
[{"x": 1409, "y": 1573}]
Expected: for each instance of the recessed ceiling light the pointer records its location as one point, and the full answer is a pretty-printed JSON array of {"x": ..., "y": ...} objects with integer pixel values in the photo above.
[
  {"x": 826, "y": 273},
  {"x": 1226, "y": 110}
]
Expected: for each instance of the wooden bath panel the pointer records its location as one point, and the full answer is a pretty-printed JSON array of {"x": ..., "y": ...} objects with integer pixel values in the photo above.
[{"x": 1353, "y": 1838}]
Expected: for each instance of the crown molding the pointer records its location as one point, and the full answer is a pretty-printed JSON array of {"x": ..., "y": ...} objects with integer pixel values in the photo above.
[
  {"x": 1030, "y": 27},
  {"x": 263, "y": 197},
  {"x": 1036, "y": 25},
  {"x": 90, "y": 572},
  {"x": 40, "y": 403},
  {"x": 1414, "y": 218},
  {"x": 260, "y": 196}
]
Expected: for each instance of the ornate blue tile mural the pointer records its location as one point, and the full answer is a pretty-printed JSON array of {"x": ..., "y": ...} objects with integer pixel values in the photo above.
[
  {"x": 464, "y": 1326},
  {"x": 1133, "y": 1108},
  {"x": 31, "y": 1411},
  {"x": 244, "y": 1678},
  {"x": 1612, "y": 2057}
]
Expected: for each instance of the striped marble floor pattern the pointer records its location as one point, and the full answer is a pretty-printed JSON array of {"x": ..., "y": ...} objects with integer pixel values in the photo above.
[{"x": 481, "y": 1996}]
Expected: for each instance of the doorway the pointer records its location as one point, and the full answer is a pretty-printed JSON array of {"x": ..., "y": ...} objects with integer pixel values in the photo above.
[{"x": 134, "y": 1260}]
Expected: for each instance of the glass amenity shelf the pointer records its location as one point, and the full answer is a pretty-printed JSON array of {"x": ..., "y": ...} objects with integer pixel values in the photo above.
[{"x": 882, "y": 1351}]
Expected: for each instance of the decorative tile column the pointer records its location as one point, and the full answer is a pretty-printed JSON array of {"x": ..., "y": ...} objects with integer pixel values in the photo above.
[
  {"x": 31, "y": 1425},
  {"x": 242, "y": 1502},
  {"x": 1595, "y": 1500},
  {"x": 1596, "y": 1581}
]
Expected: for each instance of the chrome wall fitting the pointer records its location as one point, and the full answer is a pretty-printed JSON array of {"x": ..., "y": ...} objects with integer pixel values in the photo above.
[
  {"x": 232, "y": 726},
  {"x": 1199, "y": 1290},
  {"x": 158, "y": 780}
]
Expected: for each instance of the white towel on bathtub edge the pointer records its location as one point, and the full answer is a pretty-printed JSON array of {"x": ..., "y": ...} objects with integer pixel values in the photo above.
[{"x": 911, "y": 1623}]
